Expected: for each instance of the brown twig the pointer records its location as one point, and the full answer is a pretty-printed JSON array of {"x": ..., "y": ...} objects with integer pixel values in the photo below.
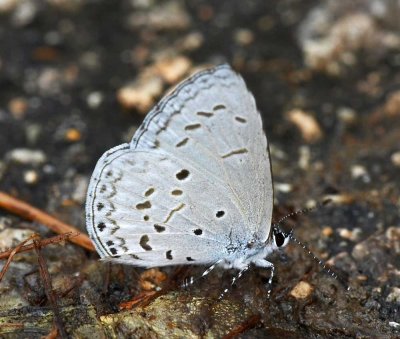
[
  {"x": 11, "y": 254},
  {"x": 142, "y": 299},
  {"x": 51, "y": 296},
  {"x": 251, "y": 322},
  {"x": 24, "y": 248},
  {"x": 31, "y": 213},
  {"x": 53, "y": 333}
]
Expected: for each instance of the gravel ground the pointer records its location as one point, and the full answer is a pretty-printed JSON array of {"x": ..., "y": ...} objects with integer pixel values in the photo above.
[{"x": 77, "y": 77}]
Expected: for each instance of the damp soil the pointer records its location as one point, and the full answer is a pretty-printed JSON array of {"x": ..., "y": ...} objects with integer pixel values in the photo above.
[{"x": 333, "y": 128}]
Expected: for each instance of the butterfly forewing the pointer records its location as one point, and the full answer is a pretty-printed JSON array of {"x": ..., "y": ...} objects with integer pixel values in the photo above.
[{"x": 194, "y": 181}]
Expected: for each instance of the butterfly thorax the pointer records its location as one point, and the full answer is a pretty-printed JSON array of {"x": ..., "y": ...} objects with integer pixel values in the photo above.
[{"x": 248, "y": 253}]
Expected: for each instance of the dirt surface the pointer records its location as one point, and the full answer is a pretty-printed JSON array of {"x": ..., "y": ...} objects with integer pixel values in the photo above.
[{"x": 77, "y": 77}]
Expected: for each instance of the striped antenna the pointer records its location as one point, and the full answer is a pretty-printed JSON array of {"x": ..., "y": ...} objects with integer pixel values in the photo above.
[
  {"x": 304, "y": 210},
  {"x": 320, "y": 262},
  {"x": 291, "y": 236}
]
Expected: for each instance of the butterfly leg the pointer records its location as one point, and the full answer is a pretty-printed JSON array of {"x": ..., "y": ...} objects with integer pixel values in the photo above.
[
  {"x": 190, "y": 281},
  {"x": 243, "y": 269},
  {"x": 266, "y": 264}
]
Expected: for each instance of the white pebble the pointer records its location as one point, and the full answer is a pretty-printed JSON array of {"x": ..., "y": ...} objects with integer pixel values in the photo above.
[
  {"x": 283, "y": 187},
  {"x": 395, "y": 158},
  {"x": 94, "y": 99},
  {"x": 31, "y": 177},
  {"x": 27, "y": 156}
]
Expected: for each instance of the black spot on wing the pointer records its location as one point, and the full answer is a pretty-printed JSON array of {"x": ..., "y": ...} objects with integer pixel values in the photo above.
[
  {"x": 183, "y": 142},
  {"x": 220, "y": 214},
  {"x": 176, "y": 192},
  {"x": 192, "y": 127},
  {"x": 144, "y": 242},
  {"x": 218, "y": 107},
  {"x": 101, "y": 226},
  {"x": 159, "y": 228},
  {"x": 205, "y": 114},
  {"x": 149, "y": 192},
  {"x": 143, "y": 205},
  {"x": 240, "y": 119},
  {"x": 183, "y": 174}
]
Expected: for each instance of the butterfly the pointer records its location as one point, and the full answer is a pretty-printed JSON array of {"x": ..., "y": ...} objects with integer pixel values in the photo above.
[{"x": 194, "y": 186}]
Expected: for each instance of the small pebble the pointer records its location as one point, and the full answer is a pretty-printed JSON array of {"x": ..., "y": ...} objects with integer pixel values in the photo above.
[
  {"x": 307, "y": 124},
  {"x": 164, "y": 16},
  {"x": 304, "y": 157},
  {"x": 392, "y": 104},
  {"x": 360, "y": 172},
  {"x": 395, "y": 158},
  {"x": 362, "y": 277},
  {"x": 11, "y": 237},
  {"x": 327, "y": 231},
  {"x": 80, "y": 184},
  {"x": 394, "y": 296},
  {"x": 27, "y": 156},
  {"x": 394, "y": 324},
  {"x": 141, "y": 95},
  {"x": 173, "y": 70},
  {"x": 244, "y": 37},
  {"x": 18, "y": 107},
  {"x": 192, "y": 41},
  {"x": 31, "y": 177},
  {"x": 302, "y": 290},
  {"x": 73, "y": 135},
  {"x": 152, "y": 279},
  {"x": 283, "y": 187},
  {"x": 94, "y": 99},
  {"x": 353, "y": 235},
  {"x": 25, "y": 12},
  {"x": 7, "y": 5},
  {"x": 360, "y": 251},
  {"x": 347, "y": 115},
  {"x": 339, "y": 199}
]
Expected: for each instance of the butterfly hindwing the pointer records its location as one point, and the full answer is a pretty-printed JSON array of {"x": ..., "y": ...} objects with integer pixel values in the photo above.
[{"x": 194, "y": 180}]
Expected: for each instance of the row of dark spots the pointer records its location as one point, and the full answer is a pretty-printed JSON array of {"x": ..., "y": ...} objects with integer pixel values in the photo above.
[
  {"x": 169, "y": 256},
  {"x": 112, "y": 249},
  {"x": 199, "y": 231}
]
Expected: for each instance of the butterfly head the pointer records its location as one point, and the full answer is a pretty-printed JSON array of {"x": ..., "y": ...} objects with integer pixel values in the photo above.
[{"x": 279, "y": 238}]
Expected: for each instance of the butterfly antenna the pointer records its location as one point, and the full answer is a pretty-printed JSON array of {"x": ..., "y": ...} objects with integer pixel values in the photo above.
[
  {"x": 304, "y": 210},
  {"x": 319, "y": 261},
  {"x": 292, "y": 237}
]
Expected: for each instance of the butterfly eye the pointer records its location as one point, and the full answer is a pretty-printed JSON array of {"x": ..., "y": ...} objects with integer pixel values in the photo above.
[{"x": 279, "y": 239}]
